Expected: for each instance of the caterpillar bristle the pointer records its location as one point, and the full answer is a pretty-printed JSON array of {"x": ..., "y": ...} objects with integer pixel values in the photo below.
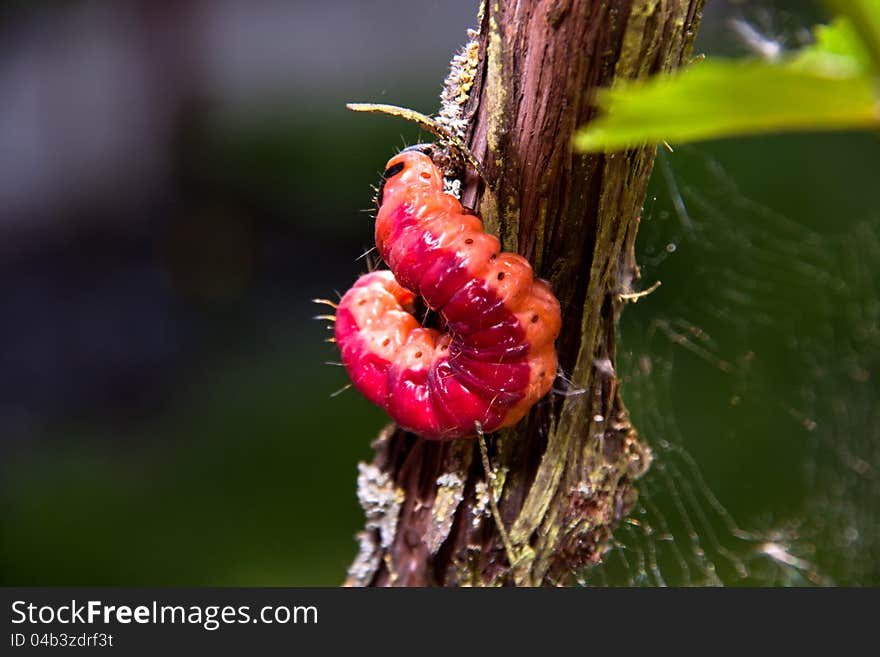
[
  {"x": 329, "y": 318},
  {"x": 325, "y": 302},
  {"x": 334, "y": 363},
  {"x": 341, "y": 390},
  {"x": 330, "y": 340},
  {"x": 365, "y": 254}
]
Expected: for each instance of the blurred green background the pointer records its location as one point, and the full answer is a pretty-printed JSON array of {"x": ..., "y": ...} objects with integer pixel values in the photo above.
[{"x": 179, "y": 180}]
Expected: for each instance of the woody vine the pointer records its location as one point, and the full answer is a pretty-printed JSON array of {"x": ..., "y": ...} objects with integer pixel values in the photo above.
[{"x": 566, "y": 475}]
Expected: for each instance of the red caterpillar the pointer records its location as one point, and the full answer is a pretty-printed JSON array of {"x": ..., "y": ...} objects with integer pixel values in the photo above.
[{"x": 496, "y": 357}]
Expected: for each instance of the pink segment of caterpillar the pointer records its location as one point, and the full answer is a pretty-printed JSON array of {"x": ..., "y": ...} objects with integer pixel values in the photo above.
[{"x": 495, "y": 357}]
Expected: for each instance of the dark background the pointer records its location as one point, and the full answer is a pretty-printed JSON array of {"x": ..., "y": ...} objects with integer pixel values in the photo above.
[{"x": 178, "y": 180}]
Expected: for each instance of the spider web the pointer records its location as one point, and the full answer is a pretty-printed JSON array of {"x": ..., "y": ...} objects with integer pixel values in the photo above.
[{"x": 752, "y": 373}]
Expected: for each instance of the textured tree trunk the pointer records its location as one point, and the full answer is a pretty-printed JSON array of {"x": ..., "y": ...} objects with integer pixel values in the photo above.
[{"x": 566, "y": 474}]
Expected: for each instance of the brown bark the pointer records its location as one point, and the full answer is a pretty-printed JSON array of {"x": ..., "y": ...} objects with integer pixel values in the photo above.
[{"x": 566, "y": 473}]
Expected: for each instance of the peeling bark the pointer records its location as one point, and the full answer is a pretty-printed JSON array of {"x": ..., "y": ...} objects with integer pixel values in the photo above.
[{"x": 566, "y": 473}]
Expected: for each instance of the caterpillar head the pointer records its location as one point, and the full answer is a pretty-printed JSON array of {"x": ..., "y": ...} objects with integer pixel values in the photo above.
[{"x": 411, "y": 167}]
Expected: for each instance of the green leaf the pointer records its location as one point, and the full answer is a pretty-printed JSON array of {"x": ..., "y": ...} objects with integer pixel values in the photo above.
[
  {"x": 830, "y": 85},
  {"x": 838, "y": 49},
  {"x": 864, "y": 18},
  {"x": 725, "y": 98}
]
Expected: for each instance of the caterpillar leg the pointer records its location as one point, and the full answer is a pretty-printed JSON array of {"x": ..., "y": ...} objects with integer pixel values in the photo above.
[{"x": 493, "y": 503}]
